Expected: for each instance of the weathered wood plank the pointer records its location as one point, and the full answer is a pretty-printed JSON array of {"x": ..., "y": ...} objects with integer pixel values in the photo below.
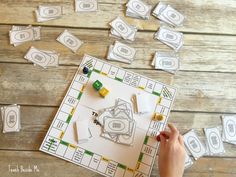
[
  {"x": 29, "y": 85},
  {"x": 36, "y": 121},
  {"x": 202, "y": 16},
  {"x": 52, "y": 166},
  {"x": 200, "y": 52}
]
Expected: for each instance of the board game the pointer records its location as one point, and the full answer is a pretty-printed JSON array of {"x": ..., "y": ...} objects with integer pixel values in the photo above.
[{"x": 82, "y": 102}]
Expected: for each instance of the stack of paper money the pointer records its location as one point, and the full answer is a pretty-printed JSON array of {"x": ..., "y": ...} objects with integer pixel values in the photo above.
[
  {"x": 47, "y": 13},
  {"x": 86, "y": 5},
  {"x": 121, "y": 29},
  {"x": 138, "y": 9},
  {"x": 170, "y": 37},
  {"x": 43, "y": 58},
  {"x": 11, "y": 118},
  {"x": 121, "y": 52},
  {"x": 168, "y": 14},
  {"x": 21, "y": 34},
  {"x": 167, "y": 61}
]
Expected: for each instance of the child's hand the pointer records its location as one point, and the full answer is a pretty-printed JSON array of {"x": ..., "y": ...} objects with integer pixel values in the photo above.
[{"x": 172, "y": 153}]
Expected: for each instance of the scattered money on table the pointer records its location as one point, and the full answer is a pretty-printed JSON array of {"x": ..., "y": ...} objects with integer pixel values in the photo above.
[
  {"x": 117, "y": 123},
  {"x": 11, "y": 118},
  {"x": 170, "y": 37},
  {"x": 138, "y": 9},
  {"x": 43, "y": 58},
  {"x": 168, "y": 15},
  {"x": 86, "y": 5},
  {"x": 214, "y": 141},
  {"x": 121, "y": 29},
  {"x": 166, "y": 61},
  {"x": 21, "y": 34},
  {"x": 194, "y": 145},
  {"x": 121, "y": 52},
  {"x": 70, "y": 41},
  {"x": 46, "y": 13},
  {"x": 229, "y": 129}
]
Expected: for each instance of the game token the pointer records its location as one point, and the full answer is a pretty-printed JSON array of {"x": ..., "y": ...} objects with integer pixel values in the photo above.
[
  {"x": 158, "y": 117},
  {"x": 97, "y": 85},
  {"x": 103, "y": 92},
  {"x": 85, "y": 70}
]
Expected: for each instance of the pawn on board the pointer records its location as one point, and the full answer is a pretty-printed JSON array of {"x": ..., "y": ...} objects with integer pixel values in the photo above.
[
  {"x": 85, "y": 70},
  {"x": 97, "y": 85},
  {"x": 157, "y": 117}
]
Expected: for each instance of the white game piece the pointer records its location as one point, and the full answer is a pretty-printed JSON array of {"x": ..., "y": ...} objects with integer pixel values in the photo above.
[
  {"x": 229, "y": 128},
  {"x": 86, "y": 5},
  {"x": 168, "y": 14},
  {"x": 124, "y": 51},
  {"x": 194, "y": 144},
  {"x": 214, "y": 141},
  {"x": 82, "y": 129},
  {"x": 69, "y": 41},
  {"x": 11, "y": 118},
  {"x": 142, "y": 103}
]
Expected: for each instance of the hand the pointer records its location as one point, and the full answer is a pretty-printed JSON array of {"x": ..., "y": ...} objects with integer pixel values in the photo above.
[{"x": 172, "y": 153}]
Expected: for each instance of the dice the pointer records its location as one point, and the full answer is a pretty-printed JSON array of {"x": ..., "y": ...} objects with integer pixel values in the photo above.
[
  {"x": 103, "y": 92},
  {"x": 98, "y": 86}
]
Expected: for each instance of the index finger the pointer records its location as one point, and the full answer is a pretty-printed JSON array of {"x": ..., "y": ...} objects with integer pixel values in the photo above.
[{"x": 174, "y": 132}]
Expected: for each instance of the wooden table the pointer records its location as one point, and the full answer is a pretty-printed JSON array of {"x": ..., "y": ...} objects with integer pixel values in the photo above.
[{"x": 206, "y": 81}]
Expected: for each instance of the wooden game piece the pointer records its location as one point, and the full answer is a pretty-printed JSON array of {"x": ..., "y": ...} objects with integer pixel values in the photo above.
[
  {"x": 103, "y": 92},
  {"x": 85, "y": 70},
  {"x": 158, "y": 117},
  {"x": 97, "y": 85}
]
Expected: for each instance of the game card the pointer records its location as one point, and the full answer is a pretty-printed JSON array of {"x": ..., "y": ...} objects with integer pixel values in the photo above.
[
  {"x": 86, "y": 5},
  {"x": 194, "y": 144},
  {"x": 229, "y": 128},
  {"x": 21, "y": 36},
  {"x": 116, "y": 126},
  {"x": 124, "y": 51},
  {"x": 50, "y": 11},
  {"x": 69, "y": 41},
  {"x": 122, "y": 28},
  {"x": 173, "y": 16},
  {"x": 139, "y": 7},
  {"x": 214, "y": 141},
  {"x": 38, "y": 57}
]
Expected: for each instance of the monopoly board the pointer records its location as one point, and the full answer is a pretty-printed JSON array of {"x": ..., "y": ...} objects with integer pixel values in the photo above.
[{"x": 82, "y": 102}]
